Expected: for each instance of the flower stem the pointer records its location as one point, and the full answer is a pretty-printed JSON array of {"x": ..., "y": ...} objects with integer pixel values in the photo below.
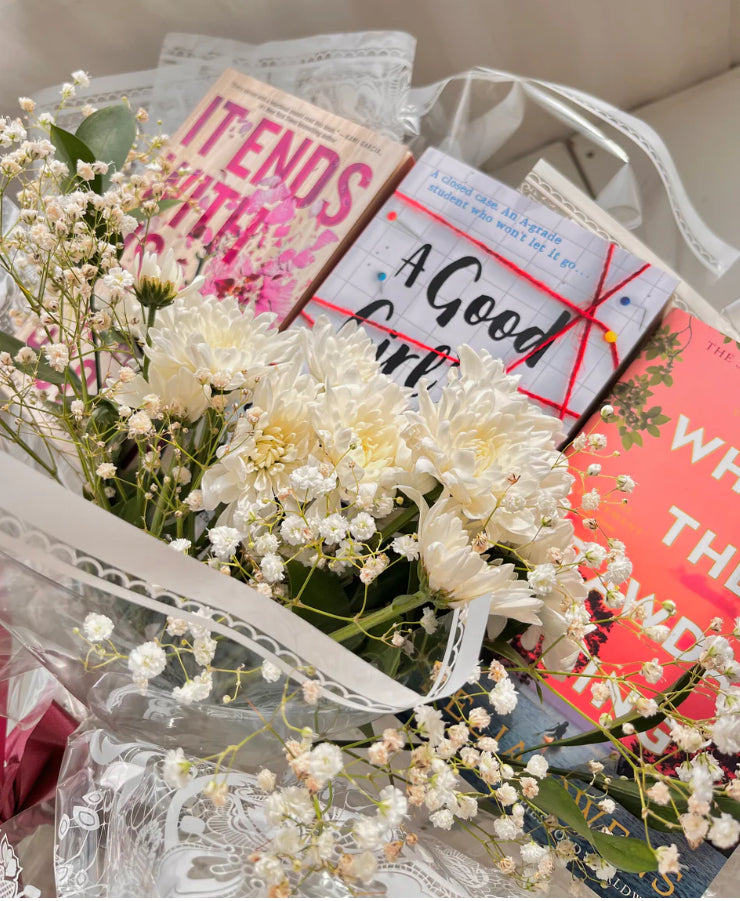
[{"x": 402, "y": 604}]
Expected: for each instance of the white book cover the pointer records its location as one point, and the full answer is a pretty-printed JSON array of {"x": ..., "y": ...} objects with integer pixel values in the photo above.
[{"x": 454, "y": 257}]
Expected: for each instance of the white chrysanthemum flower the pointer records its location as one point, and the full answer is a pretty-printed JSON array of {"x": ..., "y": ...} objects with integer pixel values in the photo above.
[
  {"x": 482, "y": 438},
  {"x": 340, "y": 357},
  {"x": 162, "y": 276},
  {"x": 361, "y": 425},
  {"x": 273, "y": 438},
  {"x": 457, "y": 573},
  {"x": 201, "y": 343},
  {"x": 97, "y": 627}
]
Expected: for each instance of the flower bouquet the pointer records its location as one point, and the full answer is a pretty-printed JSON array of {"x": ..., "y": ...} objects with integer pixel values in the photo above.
[{"x": 240, "y": 547}]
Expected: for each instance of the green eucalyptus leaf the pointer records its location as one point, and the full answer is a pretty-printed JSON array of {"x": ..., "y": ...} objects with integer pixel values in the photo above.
[
  {"x": 38, "y": 370},
  {"x": 627, "y": 854},
  {"x": 69, "y": 149},
  {"x": 109, "y": 133}
]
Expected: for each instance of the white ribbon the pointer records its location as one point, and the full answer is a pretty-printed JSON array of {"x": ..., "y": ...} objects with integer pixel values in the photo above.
[{"x": 476, "y": 140}]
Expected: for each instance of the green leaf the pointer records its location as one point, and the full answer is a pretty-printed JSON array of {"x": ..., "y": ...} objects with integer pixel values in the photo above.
[
  {"x": 163, "y": 205},
  {"x": 69, "y": 149},
  {"x": 553, "y": 797},
  {"x": 109, "y": 134},
  {"x": 39, "y": 370},
  {"x": 627, "y": 854}
]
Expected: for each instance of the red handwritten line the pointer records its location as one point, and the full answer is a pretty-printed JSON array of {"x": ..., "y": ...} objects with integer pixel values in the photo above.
[{"x": 384, "y": 328}]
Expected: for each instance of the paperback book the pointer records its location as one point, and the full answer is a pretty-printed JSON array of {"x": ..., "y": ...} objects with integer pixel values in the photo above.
[
  {"x": 272, "y": 190},
  {"x": 454, "y": 257},
  {"x": 675, "y": 430}
]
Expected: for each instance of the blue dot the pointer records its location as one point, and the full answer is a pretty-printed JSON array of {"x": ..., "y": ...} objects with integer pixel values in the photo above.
[
  {"x": 382, "y": 276},
  {"x": 625, "y": 301}
]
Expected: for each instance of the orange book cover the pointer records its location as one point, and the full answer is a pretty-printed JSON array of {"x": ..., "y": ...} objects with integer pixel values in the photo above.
[
  {"x": 273, "y": 189},
  {"x": 676, "y": 426}
]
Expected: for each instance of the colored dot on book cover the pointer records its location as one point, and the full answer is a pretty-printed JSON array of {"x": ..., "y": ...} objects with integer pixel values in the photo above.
[
  {"x": 625, "y": 301},
  {"x": 610, "y": 337},
  {"x": 391, "y": 216}
]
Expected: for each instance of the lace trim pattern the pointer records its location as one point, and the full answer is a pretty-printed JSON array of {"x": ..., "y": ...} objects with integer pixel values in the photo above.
[{"x": 123, "y": 832}]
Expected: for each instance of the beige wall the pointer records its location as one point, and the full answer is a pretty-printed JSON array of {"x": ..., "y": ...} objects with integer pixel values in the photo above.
[{"x": 629, "y": 52}]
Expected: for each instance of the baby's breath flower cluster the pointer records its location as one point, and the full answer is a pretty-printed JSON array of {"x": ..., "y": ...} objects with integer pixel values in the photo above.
[{"x": 292, "y": 462}]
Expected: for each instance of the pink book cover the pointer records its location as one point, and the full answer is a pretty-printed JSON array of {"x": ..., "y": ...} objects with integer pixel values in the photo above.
[
  {"x": 676, "y": 428},
  {"x": 272, "y": 192}
]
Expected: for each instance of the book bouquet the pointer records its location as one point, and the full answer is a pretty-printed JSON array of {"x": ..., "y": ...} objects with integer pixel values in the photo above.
[{"x": 256, "y": 496}]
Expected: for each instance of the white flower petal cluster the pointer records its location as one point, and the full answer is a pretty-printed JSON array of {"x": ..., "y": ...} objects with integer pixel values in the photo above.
[
  {"x": 484, "y": 441},
  {"x": 199, "y": 345},
  {"x": 272, "y": 439},
  {"x": 458, "y": 573}
]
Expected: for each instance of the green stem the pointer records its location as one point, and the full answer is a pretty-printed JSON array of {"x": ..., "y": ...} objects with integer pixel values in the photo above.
[{"x": 400, "y": 605}]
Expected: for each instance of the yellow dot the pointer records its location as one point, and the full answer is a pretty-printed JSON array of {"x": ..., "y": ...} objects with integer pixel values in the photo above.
[{"x": 611, "y": 337}]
